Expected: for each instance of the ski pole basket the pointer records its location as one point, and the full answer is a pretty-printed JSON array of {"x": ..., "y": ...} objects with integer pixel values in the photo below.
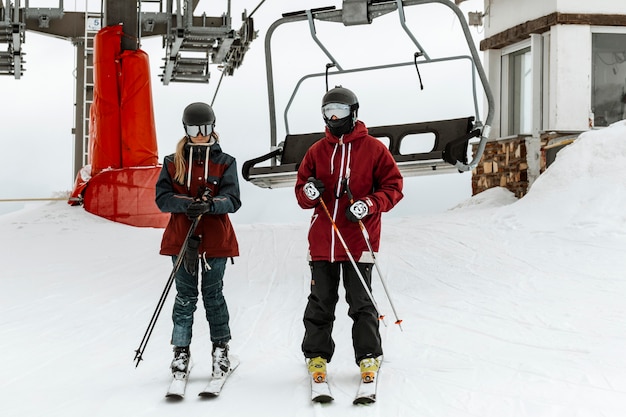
[{"x": 447, "y": 139}]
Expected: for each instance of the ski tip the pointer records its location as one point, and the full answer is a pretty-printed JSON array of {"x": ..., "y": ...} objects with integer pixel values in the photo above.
[
  {"x": 381, "y": 317},
  {"x": 323, "y": 399},
  {"x": 206, "y": 394},
  {"x": 364, "y": 400}
]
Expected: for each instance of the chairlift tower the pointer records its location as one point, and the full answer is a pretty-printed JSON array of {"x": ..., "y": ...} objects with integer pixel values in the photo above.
[{"x": 191, "y": 43}]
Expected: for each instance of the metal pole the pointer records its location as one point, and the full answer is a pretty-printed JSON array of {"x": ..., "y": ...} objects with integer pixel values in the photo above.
[
  {"x": 166, "y": 290},
  {"x": 366, "y": 236},
  {"x": 124, "y": 12},
  {"x": 356, "y": 268}
]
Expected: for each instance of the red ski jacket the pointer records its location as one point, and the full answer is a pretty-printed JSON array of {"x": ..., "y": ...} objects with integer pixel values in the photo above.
[{"x": 372, "y": 175}]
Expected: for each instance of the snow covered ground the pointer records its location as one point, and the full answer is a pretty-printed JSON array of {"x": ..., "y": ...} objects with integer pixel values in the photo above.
[{"x": 510, "y": 308}]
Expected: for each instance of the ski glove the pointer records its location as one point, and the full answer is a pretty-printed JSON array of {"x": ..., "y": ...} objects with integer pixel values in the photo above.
[
  {"x": 199, "y": 207},
  {"x": 190, "y": 258},
  {"x": 314, "y": 188},
  {"x": 357, "y": 211}
]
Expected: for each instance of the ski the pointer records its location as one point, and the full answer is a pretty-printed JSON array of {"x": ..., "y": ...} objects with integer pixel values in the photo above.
[
  {"x": 367, "y": 391},
  {"x": 320, "y": 392},
  {"x": 178, "y": 385},
  {"x": 368, "y": 385},
  {"x": 214, "y": 387}
]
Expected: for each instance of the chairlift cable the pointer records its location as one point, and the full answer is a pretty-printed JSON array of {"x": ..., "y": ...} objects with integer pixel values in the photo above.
[
  {"x": 256, "y": 8},
  {"x": 217, "y": 89}
]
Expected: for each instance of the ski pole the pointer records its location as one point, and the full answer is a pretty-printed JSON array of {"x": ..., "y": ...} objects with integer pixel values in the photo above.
[
  {"x": 366, "y": 236},
  {"x": 356, "y": 268},
  {"x": 166, "y": 290}
]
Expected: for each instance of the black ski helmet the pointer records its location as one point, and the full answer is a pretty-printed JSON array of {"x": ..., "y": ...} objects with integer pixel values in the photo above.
[
  {"x": 341, "y": 95},
  {"x": 198, "y": 114}
]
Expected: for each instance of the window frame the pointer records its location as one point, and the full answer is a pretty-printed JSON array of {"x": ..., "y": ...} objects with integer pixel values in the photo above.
[
  {"x": 602, "y": 30},
  {"x": 506, "y": 85}
]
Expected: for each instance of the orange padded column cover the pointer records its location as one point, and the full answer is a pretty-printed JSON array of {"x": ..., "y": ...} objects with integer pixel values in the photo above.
[
  {"x": 138, "y": 141},
  {"x": 104, "y": 122}
]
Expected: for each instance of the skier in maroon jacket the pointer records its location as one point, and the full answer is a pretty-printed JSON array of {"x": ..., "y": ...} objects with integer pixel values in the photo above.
[
  {"x": 199, "y": 180},
  {"x": 347, "y": 157}
]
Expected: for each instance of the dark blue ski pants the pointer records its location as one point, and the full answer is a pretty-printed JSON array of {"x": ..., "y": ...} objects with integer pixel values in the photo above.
[{"x": 213, "y": 299}]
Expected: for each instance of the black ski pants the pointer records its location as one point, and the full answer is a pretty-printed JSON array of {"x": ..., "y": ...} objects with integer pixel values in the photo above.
[{"x": 319, "y": 314}]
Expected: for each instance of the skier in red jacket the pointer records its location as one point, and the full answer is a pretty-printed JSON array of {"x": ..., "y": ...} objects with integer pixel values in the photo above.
[{"x": 347, "y": 157}]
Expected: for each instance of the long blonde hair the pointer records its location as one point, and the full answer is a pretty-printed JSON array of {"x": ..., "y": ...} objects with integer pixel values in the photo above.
[{"x": 179, "y": 157}]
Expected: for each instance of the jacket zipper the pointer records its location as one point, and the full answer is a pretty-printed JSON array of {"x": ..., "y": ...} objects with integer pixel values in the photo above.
[{"x": 344, "y": 166}]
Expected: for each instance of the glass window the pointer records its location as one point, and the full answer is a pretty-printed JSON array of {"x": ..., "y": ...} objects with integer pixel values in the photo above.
[
  {"x": 520, "y": 92},
  {"x": 608, "y": 78}
]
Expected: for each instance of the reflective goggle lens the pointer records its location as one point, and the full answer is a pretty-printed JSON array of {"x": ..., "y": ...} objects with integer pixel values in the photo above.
[
  {"x": 336, "y": 109},
  {"x": 193, "y": 131}
]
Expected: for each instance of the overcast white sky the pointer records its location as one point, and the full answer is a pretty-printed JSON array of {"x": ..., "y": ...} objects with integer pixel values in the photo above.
[{"x": 37, "y": 111}]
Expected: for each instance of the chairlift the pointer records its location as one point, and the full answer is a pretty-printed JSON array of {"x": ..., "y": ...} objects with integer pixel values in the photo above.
[{"x": 451, "y": 136}]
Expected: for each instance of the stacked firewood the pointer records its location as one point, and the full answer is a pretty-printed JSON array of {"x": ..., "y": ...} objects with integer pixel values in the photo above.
[{"x": 503, "y": 164}]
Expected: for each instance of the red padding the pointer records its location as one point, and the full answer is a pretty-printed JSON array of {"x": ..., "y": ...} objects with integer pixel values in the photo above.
[
  {"x": 138, "y": 142},
  {"x": 126, "y": 196},
  {"x": 104, "y": 122}
]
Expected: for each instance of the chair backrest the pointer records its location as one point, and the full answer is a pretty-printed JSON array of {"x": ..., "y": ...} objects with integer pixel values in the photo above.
[
  {"x": 295, "y": 146},
  {"x": 445, "y": 132},
  {"x": 450, "y": 144}
]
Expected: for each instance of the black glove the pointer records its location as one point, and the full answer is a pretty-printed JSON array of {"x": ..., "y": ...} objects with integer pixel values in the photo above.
[
  {"x": 199, "y": 207},
  {"x": 357, "y": 211},
  {"x": 190, "y": 258},
  {"x": 314, "y": 188}
]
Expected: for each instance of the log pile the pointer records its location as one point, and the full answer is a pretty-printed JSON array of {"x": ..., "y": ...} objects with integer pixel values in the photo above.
[{"x": 503, "y": 164}]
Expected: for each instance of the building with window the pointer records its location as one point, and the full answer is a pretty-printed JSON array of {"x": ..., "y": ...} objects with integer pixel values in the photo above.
[{"x": 556, "y": 68}]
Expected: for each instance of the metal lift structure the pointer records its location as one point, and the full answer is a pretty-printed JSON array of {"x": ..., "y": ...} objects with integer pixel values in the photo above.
[
  {"x": 191, "y": 42},
  {"x": 449, "y": 151}
]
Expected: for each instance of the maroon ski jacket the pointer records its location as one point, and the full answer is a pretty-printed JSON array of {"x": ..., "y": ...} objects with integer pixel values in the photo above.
[
  {"x": 367, "y": 166},
  {"x": 216, "y": 171}
]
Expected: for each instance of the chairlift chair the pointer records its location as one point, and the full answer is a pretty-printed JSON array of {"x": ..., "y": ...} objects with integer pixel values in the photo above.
[{"x": 451, "y": 136}]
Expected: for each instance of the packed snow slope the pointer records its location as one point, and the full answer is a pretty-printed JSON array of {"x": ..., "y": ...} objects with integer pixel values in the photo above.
[{"x": 509, "y": 308}]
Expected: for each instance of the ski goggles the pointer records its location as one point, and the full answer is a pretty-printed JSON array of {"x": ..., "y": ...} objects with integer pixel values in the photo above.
[
  {"x": 338, "y": 110},
  {"x": 193, "y": 131}
]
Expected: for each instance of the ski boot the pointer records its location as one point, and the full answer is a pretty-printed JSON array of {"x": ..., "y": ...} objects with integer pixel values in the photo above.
[
  {"x": 317, "y": 369},
  {"x": 369, "y": 369},
  {"x": 221, "y": 363},
  {"x": 180, "y": 363}
]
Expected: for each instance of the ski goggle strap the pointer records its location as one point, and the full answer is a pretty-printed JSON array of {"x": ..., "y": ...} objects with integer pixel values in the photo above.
[
  {"x": 339, "y": 110},
  {"x": 193, "y": 131}
]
